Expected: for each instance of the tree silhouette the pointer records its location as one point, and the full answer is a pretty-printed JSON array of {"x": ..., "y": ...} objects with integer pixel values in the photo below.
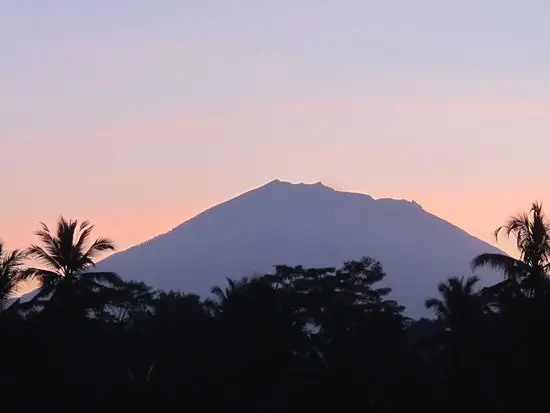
[
  {"x": 462, "y": 340},
  {"x": 126, "y": 302},
  {"x": 459, "y": 303},
  {"x": 222, "y": 296},
  {"x": 68, "y": 256},
  {"x": 300, "y": 337},
  {"x": 11, "y": 271},
  {"x": 530, "y": 272}
]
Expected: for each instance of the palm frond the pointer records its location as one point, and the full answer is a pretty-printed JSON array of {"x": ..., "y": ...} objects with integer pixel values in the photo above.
[
  {"x": 437, "y": 306},
  {"x": 11, "y": 263},
  {"x": 49, "y": 259},
  {"x": 110, "y": 279},
  {"x": 49, "y": 243},
  {"x": 66, "y": 255},
  {"x": 98, "y": 246},
  {"x": 85, "y": 231},
  {"x": 219, "y": 294},
  {"x": 511, "y": 267},
  {"x": 66, "y": 252},
  {"x": 494, "y": 290},
  {"x": 11, "y": 266},
  {"x": 43, "y": 276},
  {"x": 459, "y": 302},
  {"x": 532, "y": 233}
]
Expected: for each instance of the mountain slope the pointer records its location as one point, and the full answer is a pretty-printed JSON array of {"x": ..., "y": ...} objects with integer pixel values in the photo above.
[{"x": 311, "y": 225}]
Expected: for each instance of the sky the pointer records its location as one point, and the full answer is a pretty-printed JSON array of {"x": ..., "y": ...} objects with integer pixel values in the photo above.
[{"x": 138, "y": 115}]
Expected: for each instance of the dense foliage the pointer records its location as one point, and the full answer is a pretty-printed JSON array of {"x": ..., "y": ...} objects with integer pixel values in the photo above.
[{"x": 299, "y": 339}]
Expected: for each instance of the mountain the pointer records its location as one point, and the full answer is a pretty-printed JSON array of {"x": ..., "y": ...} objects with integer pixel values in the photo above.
[{"x": 311, "y": 225}]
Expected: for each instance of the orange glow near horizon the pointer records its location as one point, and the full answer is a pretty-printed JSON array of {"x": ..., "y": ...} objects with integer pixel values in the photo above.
[{"x": 478, "y": 212}]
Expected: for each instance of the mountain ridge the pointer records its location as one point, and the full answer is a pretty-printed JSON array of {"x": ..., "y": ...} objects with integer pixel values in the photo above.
[
  {"x": 318, "y": 185},
  {"x": 304, "y": 224}
]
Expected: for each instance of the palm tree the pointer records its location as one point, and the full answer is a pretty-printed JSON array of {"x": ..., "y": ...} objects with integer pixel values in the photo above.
[
  {"x": 532, "y": 233},
  {"x": 222, "y": 296},
  {"x": 69, "y": 257},
  {"x": 459, "y": 303},
  {"x": 11, "y": 263}
]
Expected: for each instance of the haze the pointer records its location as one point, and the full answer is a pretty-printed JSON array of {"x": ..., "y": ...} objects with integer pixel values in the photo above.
[{"x": 140, "y": 114}]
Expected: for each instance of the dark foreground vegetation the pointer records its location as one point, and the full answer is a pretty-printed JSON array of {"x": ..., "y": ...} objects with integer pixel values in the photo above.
[{"x": 300, "y": 339}]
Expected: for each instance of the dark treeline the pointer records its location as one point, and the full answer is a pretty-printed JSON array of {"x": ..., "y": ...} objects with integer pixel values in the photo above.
[{"x": 299, "y": 339}]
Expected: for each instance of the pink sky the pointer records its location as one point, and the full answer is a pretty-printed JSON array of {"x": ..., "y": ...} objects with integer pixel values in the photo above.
[
  {"x": 132, "y": 204},
  {"x": 139, "y": 115}
]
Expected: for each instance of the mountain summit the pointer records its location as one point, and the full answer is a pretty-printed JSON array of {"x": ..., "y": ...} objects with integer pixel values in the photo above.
[{"x": 310, "y": 225}]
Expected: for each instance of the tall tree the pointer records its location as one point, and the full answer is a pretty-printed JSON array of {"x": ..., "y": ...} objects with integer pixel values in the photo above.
[
  {"x": 530, "y": 272},
  {"x": 126, "y": 303},
  {"x": 459, "y": 304},
  {"x": 68, "y": 256},
  {"x": 222, "y": 296},
  {"x": 321, "y": 295},
  {"x": 11, "y": 264},
  {"x": 258, "y": 324}
]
